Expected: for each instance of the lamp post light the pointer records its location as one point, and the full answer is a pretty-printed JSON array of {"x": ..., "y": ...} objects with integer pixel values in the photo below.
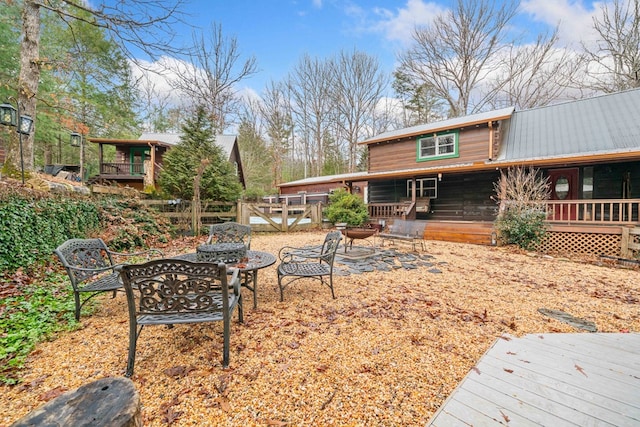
[
  {"x": 10, "y": 116},
  {"x": 77, "y": 140}
]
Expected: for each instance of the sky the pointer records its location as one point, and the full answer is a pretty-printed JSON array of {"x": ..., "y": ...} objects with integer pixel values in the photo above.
[{"x": 279, "y": 32}]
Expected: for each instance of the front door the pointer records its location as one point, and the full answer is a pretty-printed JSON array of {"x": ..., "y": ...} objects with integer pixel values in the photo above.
[
  {"x": 564, "y": 186},
  {"x": 138, "y": 155}
]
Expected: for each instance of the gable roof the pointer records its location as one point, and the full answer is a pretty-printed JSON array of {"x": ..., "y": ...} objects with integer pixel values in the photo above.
[
  {"x": 603, "y": 125},
  {"x": 449, "y": 124},
  {"x": 225, "y": 141}
]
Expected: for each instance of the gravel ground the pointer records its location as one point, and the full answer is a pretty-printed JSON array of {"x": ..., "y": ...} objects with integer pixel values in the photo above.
[{"x": 386, "y": 352}]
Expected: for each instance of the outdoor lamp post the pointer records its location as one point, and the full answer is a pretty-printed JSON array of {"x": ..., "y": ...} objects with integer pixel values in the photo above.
[
  {"x": 10, "y": 116},
  {"x": 77, "y": 140}
]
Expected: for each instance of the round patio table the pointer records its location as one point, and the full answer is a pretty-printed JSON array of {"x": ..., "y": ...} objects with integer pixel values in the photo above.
[{"x": 248, "y": 266}]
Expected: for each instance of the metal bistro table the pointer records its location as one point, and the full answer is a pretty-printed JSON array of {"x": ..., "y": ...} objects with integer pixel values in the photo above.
[{"x": 255, "y": 260}]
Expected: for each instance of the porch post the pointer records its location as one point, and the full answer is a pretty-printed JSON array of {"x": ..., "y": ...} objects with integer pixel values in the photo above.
[
  {"x": 152, "y": 167},
  {"x": 413, "y": 189}
]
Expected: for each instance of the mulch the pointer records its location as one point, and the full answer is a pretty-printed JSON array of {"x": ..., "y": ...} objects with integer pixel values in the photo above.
[{"x": 387, "y": 351}]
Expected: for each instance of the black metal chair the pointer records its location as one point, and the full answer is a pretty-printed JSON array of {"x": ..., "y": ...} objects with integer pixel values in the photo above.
[
  {"x": 172, "y": 291},
  {"x": 230, "y": 232},
  {"x": 313, "y": 263},
  {"x": 90, "y": 266}
]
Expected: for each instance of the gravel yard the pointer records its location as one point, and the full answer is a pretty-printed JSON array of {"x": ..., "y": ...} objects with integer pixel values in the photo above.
[{"x": 386, "y": 352}]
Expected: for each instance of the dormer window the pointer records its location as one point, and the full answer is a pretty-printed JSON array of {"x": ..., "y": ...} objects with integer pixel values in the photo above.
[{"x": 437, "y": 146}]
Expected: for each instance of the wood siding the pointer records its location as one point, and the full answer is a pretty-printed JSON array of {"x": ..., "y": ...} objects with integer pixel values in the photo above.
[
  {"x": 461, "y": 197},
  {"x": 473, "y": 146},
  {"x": 465, "y": 197}
]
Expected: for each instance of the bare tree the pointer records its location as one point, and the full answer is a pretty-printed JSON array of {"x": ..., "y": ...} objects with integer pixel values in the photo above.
[
  {"x": 458, "y": 50},
  {"x": 144, "y": 25},
  {"x": 357, "y": 86},
  {"x": 214, "y": 70},
  {"x": 614, "y": 62},
  {"x": 310, "y": 88},
  {"x": 536, "y": 74},
  {"x": 279, "y": 125}
]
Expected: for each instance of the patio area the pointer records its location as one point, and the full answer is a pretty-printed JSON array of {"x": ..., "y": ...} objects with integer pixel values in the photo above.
[{"x": 389, "y": 350}]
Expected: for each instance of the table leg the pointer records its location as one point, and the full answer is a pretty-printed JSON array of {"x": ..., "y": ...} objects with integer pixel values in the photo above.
[{"x": 253, "y": 276}]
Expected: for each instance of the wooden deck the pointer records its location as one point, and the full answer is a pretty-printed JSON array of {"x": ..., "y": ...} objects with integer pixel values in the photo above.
[
  {"x": 478, "y": 233},
  {"x": 581, "y": 379}
]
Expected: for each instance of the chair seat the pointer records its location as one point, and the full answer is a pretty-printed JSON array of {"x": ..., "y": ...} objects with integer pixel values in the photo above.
[
  {"x": 182, "y": 317},
  {"x": 304, "y": 269},
  {"x": 110, "y": 282}
]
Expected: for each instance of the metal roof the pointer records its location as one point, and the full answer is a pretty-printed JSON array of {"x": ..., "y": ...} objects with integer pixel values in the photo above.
[
  {"x": 454, "y": 123},
  {"x": 605, "y": 124},
  {"x": 326, "y": 178},
  {"x": 225, "y": 141}
]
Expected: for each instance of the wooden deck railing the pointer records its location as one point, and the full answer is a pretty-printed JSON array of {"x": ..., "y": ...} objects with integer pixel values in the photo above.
[
  {"x": 591, "y": 211},
  {"x": 596, "y": 211},
  {"x": 403, "y": 210},
  {"x": 122, "y": 169}
]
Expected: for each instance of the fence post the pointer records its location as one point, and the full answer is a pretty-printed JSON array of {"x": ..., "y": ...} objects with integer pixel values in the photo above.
[
  {"x": 625, "y": 252},
  {"x": 285, "y": 217}
]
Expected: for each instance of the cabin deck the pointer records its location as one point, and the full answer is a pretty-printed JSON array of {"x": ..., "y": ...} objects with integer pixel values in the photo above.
[{"x": 580, "y": 379}]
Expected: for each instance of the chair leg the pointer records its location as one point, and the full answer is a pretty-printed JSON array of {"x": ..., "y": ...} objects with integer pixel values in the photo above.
[
  {"x": 225, "y": 348},
  {"x": 133, "y": 339},
  {"x": 331, "y": 286},
  {"x": 281, "y": 289},
  {"x": 76, "y": 297},
  {"x": 240, "y": 309}
]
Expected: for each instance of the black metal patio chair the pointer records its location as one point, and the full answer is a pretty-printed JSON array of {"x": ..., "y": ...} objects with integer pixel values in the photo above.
[
  {"x": 172, "y": 291},
  {"x": 313, "y": 263},
  {"x": 230, "y": 232},
  {"x": 90, "y": 265}
]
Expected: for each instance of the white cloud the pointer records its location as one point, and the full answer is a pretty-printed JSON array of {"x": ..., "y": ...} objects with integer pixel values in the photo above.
[
  {"x": 575, "y": 18},
  {"x": 398, "y": 25}
]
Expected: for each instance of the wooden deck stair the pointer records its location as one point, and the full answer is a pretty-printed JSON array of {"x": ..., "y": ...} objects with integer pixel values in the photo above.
[{"x": 478, "y": 233}]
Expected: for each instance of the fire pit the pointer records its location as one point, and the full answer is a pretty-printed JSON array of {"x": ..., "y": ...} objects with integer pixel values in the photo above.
[{"x": 353, "y": 233}]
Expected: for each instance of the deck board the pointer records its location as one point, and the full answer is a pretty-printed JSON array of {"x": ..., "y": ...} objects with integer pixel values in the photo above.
[{"x": 585, "y": 379}]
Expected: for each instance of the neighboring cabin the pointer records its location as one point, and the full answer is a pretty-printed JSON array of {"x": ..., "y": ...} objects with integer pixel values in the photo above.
[
  {"x": 138, "y": 161},
  {"x": 444, "y": 172}
]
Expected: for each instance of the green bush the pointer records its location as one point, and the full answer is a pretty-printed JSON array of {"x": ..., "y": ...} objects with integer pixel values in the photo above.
[
  {"x": 36, "y": 301},
  {"x": 31, "y": 228},
  {"x": 346, "y": 207},
  {"x": 31, "y": 315},
  {"x": 523, "y": 226}
]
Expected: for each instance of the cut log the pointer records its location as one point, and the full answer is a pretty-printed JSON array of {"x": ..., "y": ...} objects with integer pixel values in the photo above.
[{"x": 108, "y": 402}]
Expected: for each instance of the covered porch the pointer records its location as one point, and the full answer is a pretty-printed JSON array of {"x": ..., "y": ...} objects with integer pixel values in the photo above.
[{"x": 578, "y": 226}]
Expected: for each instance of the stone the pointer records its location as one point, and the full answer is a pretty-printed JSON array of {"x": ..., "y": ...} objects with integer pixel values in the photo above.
[{"x": 108, "y": 402}]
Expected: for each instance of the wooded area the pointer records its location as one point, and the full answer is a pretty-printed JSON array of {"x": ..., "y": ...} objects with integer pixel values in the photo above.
[{"x": 71, "y": 68}]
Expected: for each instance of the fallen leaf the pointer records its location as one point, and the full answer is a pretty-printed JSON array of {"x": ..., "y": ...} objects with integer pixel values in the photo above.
[{"x": 52, "y": 394}]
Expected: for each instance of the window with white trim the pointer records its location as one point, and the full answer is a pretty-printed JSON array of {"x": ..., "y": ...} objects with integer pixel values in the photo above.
[
  {"x": 425, "y": 187},
  {"x": 438, "y": 146}
]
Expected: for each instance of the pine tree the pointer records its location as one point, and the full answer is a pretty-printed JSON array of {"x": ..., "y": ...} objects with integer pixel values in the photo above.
[{"x": 197, "y": 143}]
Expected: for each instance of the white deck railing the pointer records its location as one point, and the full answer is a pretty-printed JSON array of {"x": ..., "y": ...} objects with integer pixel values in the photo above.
[{"x": 596, "y": 211}]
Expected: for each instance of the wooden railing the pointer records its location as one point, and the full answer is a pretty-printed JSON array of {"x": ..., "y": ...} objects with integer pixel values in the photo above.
[
  {"x": 403, "y": 210},
  {"x": 596, "y": 211},
  {"x": 122, "y": 169}
]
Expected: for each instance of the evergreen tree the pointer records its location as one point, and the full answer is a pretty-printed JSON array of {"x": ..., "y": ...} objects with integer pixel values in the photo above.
[{"x": 180, "y": 164}]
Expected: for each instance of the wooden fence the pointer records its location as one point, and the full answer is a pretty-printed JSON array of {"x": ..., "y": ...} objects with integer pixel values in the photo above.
[
  {"x": 261, "y": 216},
  {"x": 630, "y": 243}
]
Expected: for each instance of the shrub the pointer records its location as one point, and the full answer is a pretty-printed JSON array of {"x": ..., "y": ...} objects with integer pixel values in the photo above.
[
  {"x": 521, "y": 226},
  {"x": 521, "y": 193},
  {"x": 346, "y": 207}
]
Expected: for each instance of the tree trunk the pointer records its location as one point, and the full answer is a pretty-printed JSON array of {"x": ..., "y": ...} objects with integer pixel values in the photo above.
[{"x": 29, "y": 76}]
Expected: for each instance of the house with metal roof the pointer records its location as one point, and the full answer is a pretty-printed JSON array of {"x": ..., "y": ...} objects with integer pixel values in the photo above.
[
  {"x": 137, "y": 162},
  {"x": 445, "y": 172}
]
